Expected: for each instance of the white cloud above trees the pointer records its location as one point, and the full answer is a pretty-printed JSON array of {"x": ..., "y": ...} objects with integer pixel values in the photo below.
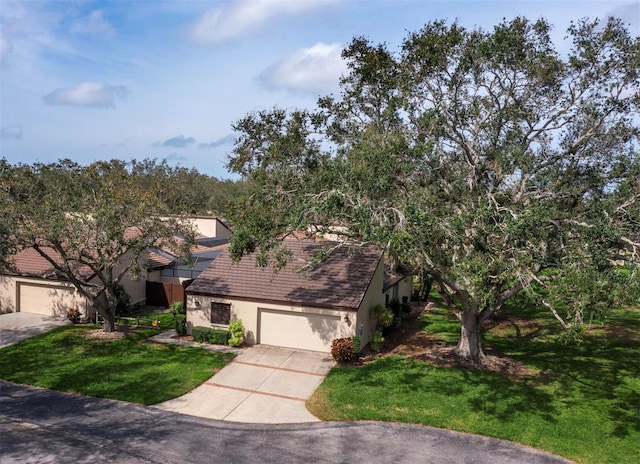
[
  {"x": 314, "y": 70},
  {"x": 236, "y": 18},
  {"x": 88, "y": 94}
]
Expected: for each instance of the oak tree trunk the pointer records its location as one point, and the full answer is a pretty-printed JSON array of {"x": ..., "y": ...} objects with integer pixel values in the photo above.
[
  {"x": 109, "y": 321},
  {"x": 470, "y": 344}
]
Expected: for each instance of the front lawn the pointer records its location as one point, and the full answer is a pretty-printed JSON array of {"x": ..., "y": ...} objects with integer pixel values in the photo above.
[
  {"x": 581, "y": 401},
  {"x": 127, "y": 369}
]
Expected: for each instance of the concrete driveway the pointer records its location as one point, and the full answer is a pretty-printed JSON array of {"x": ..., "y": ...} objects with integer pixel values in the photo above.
[
  {"x": 264, "y": 384},
  {"x": 15, "y": 327}
]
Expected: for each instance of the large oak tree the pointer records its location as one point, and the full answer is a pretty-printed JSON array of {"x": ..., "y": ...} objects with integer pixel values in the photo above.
[
  {"x": 94, "y": 224},
  {"x": 491, "y": 162}
]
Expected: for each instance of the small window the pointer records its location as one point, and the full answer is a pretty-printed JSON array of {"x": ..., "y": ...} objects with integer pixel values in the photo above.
[{"x": 220, "y": 313}]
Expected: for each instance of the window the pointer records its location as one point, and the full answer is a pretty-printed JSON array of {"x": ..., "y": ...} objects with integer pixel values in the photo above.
[{"x": 220, "y": 313}]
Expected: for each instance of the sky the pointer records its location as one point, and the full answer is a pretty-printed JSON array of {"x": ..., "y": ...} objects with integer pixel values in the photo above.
[{"x": 134, "y": 79}]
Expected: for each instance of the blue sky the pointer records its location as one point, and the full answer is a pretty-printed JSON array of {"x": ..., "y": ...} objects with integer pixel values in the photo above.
[{"x": 90, "y": 80}]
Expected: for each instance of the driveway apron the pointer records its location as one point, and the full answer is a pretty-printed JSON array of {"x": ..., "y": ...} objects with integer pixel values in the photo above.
[
  {"x": 15, "y": 327},
  {"x": 264, "y": 384}
]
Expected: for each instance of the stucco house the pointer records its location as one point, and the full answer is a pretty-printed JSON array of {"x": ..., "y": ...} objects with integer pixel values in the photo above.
[
  {"x": 298, "y": 306},
  {"x": 397, "y": 286},
  {"x": 34, "y": 286}
]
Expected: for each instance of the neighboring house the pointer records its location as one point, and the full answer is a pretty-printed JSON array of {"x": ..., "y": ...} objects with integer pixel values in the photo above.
[
  {"x": 298, "y": 306},
  {"x": 397, "y": 286},
  {"x": 34, "y": 286}
]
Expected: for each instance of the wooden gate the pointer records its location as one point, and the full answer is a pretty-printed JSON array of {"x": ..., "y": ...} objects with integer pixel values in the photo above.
[{"x": 163, "y": 294}]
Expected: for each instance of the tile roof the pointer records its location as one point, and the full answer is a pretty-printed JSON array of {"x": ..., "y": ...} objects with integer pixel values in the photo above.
[
  {"x": 391, "y": 278},
  {"x": 29, "y": 262},
  {"x": 340, "y": 281}
]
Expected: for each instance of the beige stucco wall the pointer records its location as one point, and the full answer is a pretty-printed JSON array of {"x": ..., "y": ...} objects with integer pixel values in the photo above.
[
  {"x": 57, "y": 296},
  {"x": 137, "y": 289},
  {"x": 248, "y": 311},
  {"x": 210, "y": 227},
  {"x": 405, "y": 288},
  {"x": 364, "y": 324}
]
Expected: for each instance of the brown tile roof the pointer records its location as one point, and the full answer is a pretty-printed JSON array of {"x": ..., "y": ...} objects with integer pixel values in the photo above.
[
  {"x": 391, "y": 278},
  {"x": 157, "y": 261},
  {"x": 29, "y": 262},
  {"x": 340, "y": 281}
]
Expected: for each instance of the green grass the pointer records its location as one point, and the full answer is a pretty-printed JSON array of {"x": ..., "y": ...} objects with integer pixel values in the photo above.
[
  {"x": 128, "y": 369},
  {"x": 583, "y": 402}
]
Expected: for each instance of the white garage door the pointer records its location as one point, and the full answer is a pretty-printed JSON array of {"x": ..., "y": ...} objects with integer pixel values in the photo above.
[
  {"x": 40, "y": 299},
  {"x": 297, "y": 330}
]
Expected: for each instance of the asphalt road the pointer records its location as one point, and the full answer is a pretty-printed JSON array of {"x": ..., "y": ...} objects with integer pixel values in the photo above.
[{"x": 44, "y": 426}]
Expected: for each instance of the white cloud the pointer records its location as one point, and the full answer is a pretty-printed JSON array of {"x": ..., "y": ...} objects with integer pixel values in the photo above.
[
  {"x": 6, "y": 48},
  {"x": 237, "y": 17},
  {"x": 11, "y": 132},
  {"x": 93, "y": 23},
  {"x": 314, "y": 70},
  {"x": 90, "y": 94}
]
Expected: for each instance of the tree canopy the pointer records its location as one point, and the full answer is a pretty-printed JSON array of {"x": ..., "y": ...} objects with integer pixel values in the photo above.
[
  {"x": 490, "y": 161},
  {"x": 94, "y": 224}
]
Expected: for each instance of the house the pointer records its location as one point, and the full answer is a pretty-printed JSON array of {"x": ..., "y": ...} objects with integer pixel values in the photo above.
[
  {"x": 299, "y": 306},
  {"x": 34, "y": 286},
  {"x": 397, "y": 286}
]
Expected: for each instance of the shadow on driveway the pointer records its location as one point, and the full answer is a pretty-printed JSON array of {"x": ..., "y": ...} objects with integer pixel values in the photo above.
[
  {"x": 40, "y": 425},
  {"x": 15, "y": 327}
]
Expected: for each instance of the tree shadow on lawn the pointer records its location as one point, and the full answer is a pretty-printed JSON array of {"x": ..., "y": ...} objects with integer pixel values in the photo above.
[
  {"x": 597, "y": 369},
  {"x": 422, "y": 385}
]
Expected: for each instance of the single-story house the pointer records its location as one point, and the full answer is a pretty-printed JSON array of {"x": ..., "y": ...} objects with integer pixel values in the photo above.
[
  {"x": 34, "y": 286},
  {"x": 299, "y": 306},
  {"x": 397, "y": 286}
]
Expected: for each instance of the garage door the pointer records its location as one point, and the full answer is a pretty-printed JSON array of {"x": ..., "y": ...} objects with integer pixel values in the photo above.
[
  {"x": 43, "y": 299},
  {"x": 297, "y": 330}
]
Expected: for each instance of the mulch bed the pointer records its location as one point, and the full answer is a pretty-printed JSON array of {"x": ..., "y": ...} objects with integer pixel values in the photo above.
[
  {"x": 100, "y": 334},
  {"x": 410, "y": 341}
]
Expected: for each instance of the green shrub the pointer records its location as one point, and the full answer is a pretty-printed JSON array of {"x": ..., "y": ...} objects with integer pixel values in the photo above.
[
  {"x": 355, "y": 341},
  {"x": 342, "y": 350},
  {"x": 376, "y": 343},
  {"x": 201, "y": 334},
  {"x": 236, "y": 329},
  {"x": 219, "y": 337},
  {"x": 177, "y": 307},
  {"x": 123, "y": 300},
  {"x": 382, "y": 316},
  {"x": 180, "y": 324}
]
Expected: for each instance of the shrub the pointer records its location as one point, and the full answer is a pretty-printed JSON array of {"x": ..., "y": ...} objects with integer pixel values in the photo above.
[
  {"x": 376, "y": 343},
  {"x": 213, "y": 336},
  {"x": 219, "y": 337},
  {"x": 177, "y": 307},
  {"x": 201, "y": 334},
  {"x": 236, "y": 329},
  {"x": 342, "y": 350},
  {"x": 74, "y": 316},
  {"x": 180, "y": 324},
  {"x": 123, "y": 300},
  {"x": 355, "y": 341},
  {"x": 383, "y": 317}
]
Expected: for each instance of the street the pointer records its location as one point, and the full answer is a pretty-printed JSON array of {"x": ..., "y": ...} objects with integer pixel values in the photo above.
[{"x": 41, "y": 426}]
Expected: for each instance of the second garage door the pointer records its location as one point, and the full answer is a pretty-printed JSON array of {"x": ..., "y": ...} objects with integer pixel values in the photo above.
[
  {"x": 50, "y": 300},
  {"x": 297, "y": 330}
]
